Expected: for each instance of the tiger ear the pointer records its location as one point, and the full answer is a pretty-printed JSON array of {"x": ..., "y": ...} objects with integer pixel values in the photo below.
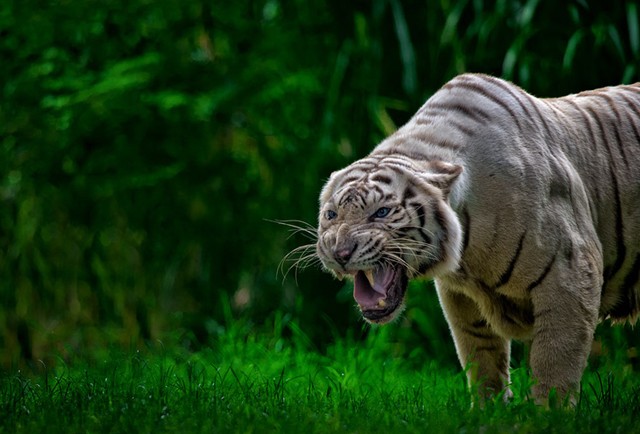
[{"x": 443, "y": 175}]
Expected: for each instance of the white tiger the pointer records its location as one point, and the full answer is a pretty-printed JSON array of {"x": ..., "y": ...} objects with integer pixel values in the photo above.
[{"x": 526, "y": 211}]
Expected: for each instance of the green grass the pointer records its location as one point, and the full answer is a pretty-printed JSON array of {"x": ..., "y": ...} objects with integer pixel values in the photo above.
[{"x": 248, "y": 383}]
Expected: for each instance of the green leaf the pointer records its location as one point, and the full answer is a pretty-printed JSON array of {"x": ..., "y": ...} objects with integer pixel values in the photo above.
[
  {"x": 407, "y": 53},
  {"x": 570, "y": 51},
  {"x": 614, "y": 35},
  {"x": 634, "y": 31}
]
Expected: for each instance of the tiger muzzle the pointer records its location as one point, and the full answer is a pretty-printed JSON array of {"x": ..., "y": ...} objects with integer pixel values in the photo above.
[{"x": 380, "y": 292}]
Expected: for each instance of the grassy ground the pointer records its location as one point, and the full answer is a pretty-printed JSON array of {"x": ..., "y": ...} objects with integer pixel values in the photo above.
[{"x": 246, "y": 383}]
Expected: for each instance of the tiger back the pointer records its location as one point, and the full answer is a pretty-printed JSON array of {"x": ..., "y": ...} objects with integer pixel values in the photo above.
[{"x": 523, "y": 210}]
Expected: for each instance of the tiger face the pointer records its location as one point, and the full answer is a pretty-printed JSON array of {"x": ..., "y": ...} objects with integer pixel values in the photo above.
[{"x": 384, "y": 220}]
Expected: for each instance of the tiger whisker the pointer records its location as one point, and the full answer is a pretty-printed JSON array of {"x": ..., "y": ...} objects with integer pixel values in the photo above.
[
  {"x": 297, "y": 254},
  {"x": 298, "y": 227},
  {"x": 294, "y": 223},
  {"x": 412, "y": 247},
  {"x": 418, "y": 246},
  {"x": 304, "y": 263},
  {"x": 304, "y": 259},
  {"x": 392, "y": 258}
]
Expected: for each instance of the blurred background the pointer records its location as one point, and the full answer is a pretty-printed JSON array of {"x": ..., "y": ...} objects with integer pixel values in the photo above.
[{"x": 147, "y": 145}]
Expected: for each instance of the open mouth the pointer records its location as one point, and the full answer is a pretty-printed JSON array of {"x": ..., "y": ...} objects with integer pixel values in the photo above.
[{"x": 379, "y": 292}]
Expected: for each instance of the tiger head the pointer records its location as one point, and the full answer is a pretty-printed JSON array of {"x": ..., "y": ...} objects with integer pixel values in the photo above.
[{"x": 384, "y": 220}]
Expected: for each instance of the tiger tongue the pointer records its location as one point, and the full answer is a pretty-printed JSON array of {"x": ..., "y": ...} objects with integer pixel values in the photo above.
[{"x": 371, "y": 286}]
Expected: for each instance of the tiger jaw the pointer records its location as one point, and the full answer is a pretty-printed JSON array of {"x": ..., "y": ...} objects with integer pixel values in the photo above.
[{"x": 380, "y": 292}]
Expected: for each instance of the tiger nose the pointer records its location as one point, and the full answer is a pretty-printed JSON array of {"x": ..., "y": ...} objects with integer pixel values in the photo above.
[{"x": 343, "y": 254}]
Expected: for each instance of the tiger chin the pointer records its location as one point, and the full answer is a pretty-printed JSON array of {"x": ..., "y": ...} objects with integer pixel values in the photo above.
[{"x": 523, "y": 211}]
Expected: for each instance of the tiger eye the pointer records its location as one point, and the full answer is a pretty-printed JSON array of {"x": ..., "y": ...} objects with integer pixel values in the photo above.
[{"x": 382, "y": 212}]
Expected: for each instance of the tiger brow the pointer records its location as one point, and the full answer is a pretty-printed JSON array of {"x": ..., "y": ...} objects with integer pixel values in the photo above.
[{"x": 379, "y": 177}]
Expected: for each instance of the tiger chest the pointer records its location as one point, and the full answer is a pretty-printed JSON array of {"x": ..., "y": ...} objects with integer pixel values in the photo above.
[{"x": 507, "y": 309}]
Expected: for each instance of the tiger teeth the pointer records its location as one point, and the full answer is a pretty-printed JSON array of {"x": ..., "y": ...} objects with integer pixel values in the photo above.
[
  {"x": 382, "y": 303},
  {"x": 339, "y": 275},
  {"x": 369, "y": 275}
]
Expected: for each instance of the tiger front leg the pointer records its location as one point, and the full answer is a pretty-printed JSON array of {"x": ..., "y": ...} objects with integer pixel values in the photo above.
[
  {"x": 565, "y": 317},
  {"x": 480, "y": 350}
]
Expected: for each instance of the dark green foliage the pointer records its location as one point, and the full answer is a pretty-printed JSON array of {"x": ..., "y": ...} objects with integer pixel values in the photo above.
[{"x": 145, "y": 144}]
